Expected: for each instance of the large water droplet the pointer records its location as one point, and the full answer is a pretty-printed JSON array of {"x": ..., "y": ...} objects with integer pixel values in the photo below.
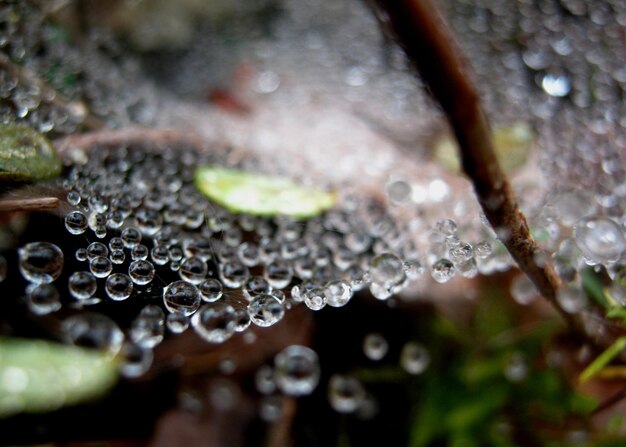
[
  {"x": 214, "y": 322},
  {"x": 100, "y": 266},
  {"x": 210, "y": 290},
  {"x": 337, "y": 293},
  {"x": 600, "y": 239},
  {"x": 141, "y": 272},
  {"x": 181, "y": 297},
  {"x": 193, "y": 270},
  {"x": 119, "y": 286},
  {"x": 442, "y": 271},
  {"x": 82, "y": 285},
  {"x": 297, "y": 370},
  {"x": 93, "y": 331},
  {"x": 265, "y": 310},
  {"x": 40, "y": 262},
  {"x": 387, "y": 269},
  {"x": 43, "y": 299}
]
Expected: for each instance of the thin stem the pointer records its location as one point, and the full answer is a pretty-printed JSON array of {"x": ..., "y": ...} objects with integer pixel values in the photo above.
[
  {"x": 431, "y": 47},
  {"x": 34, "y": 204}
]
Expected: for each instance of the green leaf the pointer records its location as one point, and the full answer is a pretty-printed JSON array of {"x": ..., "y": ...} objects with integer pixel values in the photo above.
[
  {"x": 603, "y": 359},
  {"x": 512, "y": 145},
  {"x": 246, "y": 192},
  {"x": 40, "y": 376},
  {"x": 26, "y": 155}
]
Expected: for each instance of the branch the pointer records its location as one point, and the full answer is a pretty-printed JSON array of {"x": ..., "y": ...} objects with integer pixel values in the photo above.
[
  {"x": 34, "y": 204},
  {"x": 430, "y": 45}
]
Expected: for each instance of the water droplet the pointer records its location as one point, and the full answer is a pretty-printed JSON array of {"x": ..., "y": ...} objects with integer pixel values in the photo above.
[
  {"x": 571, "y": 299},
  {"x": 523, "y": 290},
  {"x": 181, "y": 297},
  {"x": 40, "y": 262},
  {"x": 82, "y": 285},
  {"x": 249, "y": 254},
  {"x": 76, "y": 222},
  {"x": 96, "y": 249},
  {"x": 600, "y": 239},
  {"x": 265, "y": 310},
  {"x": 264, "y": 380},
  {"x": 233, "y": 274},
  {"x": 193, "y": 270},
  {"x": 139, "y": 253},
  {"x": 100, "y": 266},
  {"x": 556, "y": 85},
  {"x": 81, "y": 254},
  {"x": 210, "y": 290},
  {"x": 345, "y": 393},
  {"x": 43, "y": 299},
  {"x": 148, "y": 329},
  {"x": 375, "y": 346},
  {"x": 117, "y": 257},
  {"x": 93, "y": 331},
  {"x": 398, "y": 192},
  {"x": 483, "y": 249},
  {"x": 136, "y": 360},
  {"x": 141, "y": 272},
  {"x": 255, "y": 286},
  {"x": 413, "y": 269},
  {"x": 314, "y": 298},
  {"x": 381, "y": 291},
  {"x": 337, "y": 293},
  {"x": 442, "y": 270},
  {"x": 270, "y": 408},
  {"x": 414, "y": 358},
  {"x": 73, "y": 197},
  {"x": 119, "y": 286},
  {"x": 131, "y": 237},
  {"x": 387, "y": 269},
  {"x": 116, "y": 243},
  {"x": 446, "y": 227},
  {"x": 297, "y": 370},
  {"x": 177, "y": 323},
  {"x": 461, "y": 253},
  {"x": 148, "y": 221},
  {"x": 242, "y": 320},
  {"x": 278, "y": 273},
  {"x": 214, "y": 322},
  {"x": 160, "y": 255}
]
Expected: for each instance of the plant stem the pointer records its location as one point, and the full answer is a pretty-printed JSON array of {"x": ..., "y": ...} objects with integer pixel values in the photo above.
[
  {"x": 430, "y": 45},
  {"x": 35, "y": 204}
]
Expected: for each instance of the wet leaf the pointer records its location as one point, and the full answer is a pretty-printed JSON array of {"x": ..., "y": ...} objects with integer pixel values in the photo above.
[
  {"x": 40, "y": 376},
  {"x": 512, "y": 144},
  {"x": 26, "y": 155},
  {"x": 251, "y": 193}
]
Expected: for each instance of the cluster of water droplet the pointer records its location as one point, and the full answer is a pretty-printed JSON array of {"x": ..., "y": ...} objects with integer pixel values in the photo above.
[{"x": 51, "y": 83}]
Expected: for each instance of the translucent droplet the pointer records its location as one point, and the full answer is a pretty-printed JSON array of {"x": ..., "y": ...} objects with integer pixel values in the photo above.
[
  {"x": 297, "y": 370},
  {"x": 119, "y": 286},
  {"x": 73, "y": 197},
  {"x": 117, "y": 257},
  {"x": 141, "y": 272},
  {"x": 345, "y": 393},
  {"x": 116, "y": 243},
  {"x": 278, "y": 273},
  {"x": 414, "y": 358},
  {"x": 43, "y": 299},
  {"x": 181, "y": 297},
  {"x": 483, "y": 249},
  {"x": 375, "y": 346},
  {"x": 148, "y": 329},
  {"x": 40, "y": 262},
  {"x": 81, "y": 254},
  {"x": 461, "y": 253},
  {"x": 314, "y": 298},
  {"x": 264, "y": 380},
  {"x": 233, "y": 274},
  {"x": 556, "y": 85},
  {"x": 193, "y": 270},
  {"x": 523, "y": 290},
  {"x": 94, "y": 331},
  {"x": 210, "y": 290},
  {"x": 265, "y": 310},
  {"x": 76, "y": 222},
  {"x": 139, "y": 253},
  {"x": 136, "y": 360},
  {"x": 387, "y": 269},
  {"x": 446, "y": 227},
  {"x": 381, "y": 291},
  {"x": 600, "y": 239},
  {"x": 337, "y": 293},
  {"x": 255, "y": 286},
  {"x": 214, "y": 322},
  {"x": 131, "y": 237},
  {"x": 177, "y": 323},
  {"x": 398, "y": 191},
  {"x": 96, "y": 249},
  {"x": 160, "y": 255},
  {"x": 82, "y": 285},
  {"x": 149, "y": 221},
  {"x": 97, "y": 220},
  {"x": 413, "y": 269},
  {"x": 242, "y": 320},
  {"x": 249, "y": 254},
  {"x": 100, "y": 266},
  {"x": 442, "y": 271},
  {"x": 571, "y": 299}
]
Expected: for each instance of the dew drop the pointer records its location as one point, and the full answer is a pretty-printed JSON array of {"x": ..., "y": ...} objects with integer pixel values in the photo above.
[
  {"x": 119, "y": 286},
  {"x": 193, "y": 270},
  {"x": 181, "y": 297},
  {"x": 43, "y": 299},
  {"x": 387, "y": 269},
  {"x": 442, "y": 271},
  {"x": 210, "y": 290},
  {"x": 40, "y": 262},
  {"x": 265, "y": 310},
  {"x": 337, "y": 293},
  {"x": 100, "y": 266},
  {"x": 278, "y": 273},
  {"x": 233, "y": 274},
  {"x": 214, "y": 322},
  {"x": 296, "y": 370},
  {"x": 255, "y": 286},
  {"x": 600, "y": 239},
  {"x": 76, "y": 222},
  {"x": 375, "y": 346},
  {"x": 345, "y": 393},
  {"x": 414, "y": 358},
  {"x": 177, "y": 323},
  {"x": 148, "y": 329},
  {"x": 141, "y": 272},
  {"x": 93, "y": 330}
]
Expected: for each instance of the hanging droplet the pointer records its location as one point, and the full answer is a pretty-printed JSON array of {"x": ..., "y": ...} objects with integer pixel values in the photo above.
[
  {"x": 181, "y": 297},
  {"x": 100, "y": 266},
  {"x": 141, "y": 272},
  {"x": 387, "y": 269},
  {"x": 297, "y": 370},
  {"x": 600, "y": 239},
  {"x": 43, "y": 299},
  {"x": 345, "y": 393},
  {"x": 40, "y": 262},
  {"x": 442, "y": 271},
  {"x": 119, "y": 286},
  {"x": 210, "y": 290},
  {"x": 337, "y": 293},
  {"x": 278, "y": 273},
  {"x": 265, "y": 310},
  {"x": 414, "y": 358},
  {"x": 76, "y": 222},
  {"x": 314, "y": 298},
  {"x": 214, "y": 322},
  {"x": 117, "y": 257},
  {"x": 193, "y": 270},
  {"x": 375, "y": 346}
]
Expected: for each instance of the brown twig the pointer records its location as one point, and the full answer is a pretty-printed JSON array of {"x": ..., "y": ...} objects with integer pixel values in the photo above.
[
  {"x": 34, "y": 204},
  {"x": 431, "y": 47},
  {"x": 48, "y": 94}
]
